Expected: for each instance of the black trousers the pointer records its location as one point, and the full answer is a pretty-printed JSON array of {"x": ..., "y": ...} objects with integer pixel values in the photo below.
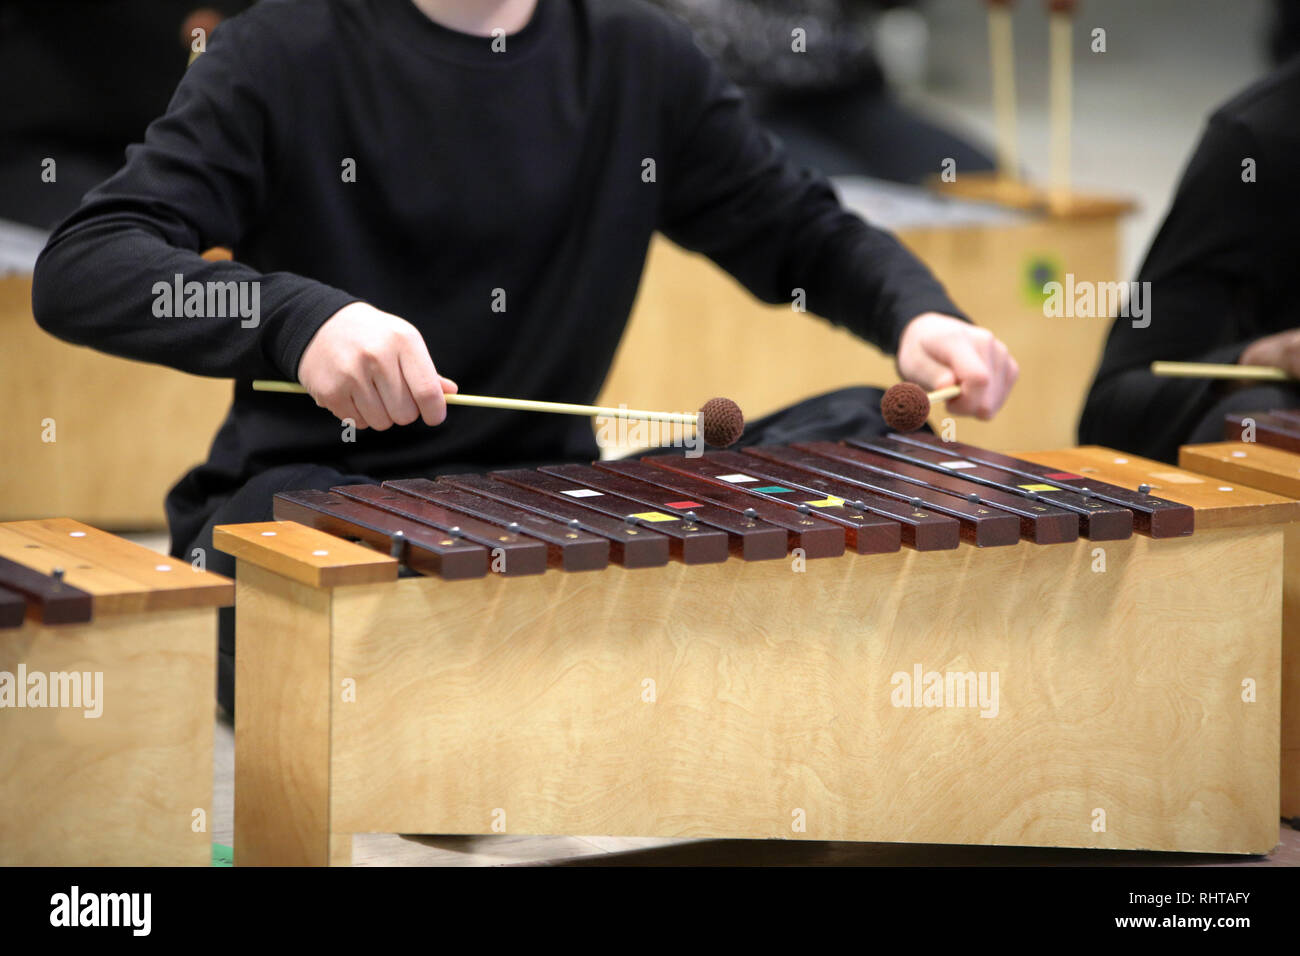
[{"x": 847, "y": 413}]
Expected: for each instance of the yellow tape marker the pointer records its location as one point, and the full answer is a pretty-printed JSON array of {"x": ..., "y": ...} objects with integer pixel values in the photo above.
[
  {"x": 653, "y": 516},
  {"x": 828, "y": 502}
]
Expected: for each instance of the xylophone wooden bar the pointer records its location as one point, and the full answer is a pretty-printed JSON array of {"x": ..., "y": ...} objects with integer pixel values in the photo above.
[
  {"x": 53, "y": 602},
  {"x": 512, "y": 552},
  {"x": 1270, "y": 428},
  {"x": 106, "y": 728},
  {"x": 631, "y": 547},
  {"x": 865, "y": 533},
  {"x": 980, "y": 526},
  {"x": 815, "y": 537},
  {"x": 689, "y": 541},
  {"x": 919, "y": 528},
  {"x": 1153, "y": 516},
  {"x": 425, "y": 549},
  {"x": 13, "y": 608},
  {"x": 568, "y": 546},
  {"x": 1034, "y": 521},
  {"x": 1099, "y": 521},
  {"x": 751, "y": 538}
]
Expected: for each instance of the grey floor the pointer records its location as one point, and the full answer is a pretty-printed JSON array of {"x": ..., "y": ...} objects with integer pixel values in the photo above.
[{"x": 1138, "y": 110}]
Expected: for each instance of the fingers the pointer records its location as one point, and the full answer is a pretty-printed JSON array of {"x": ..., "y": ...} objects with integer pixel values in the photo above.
[
  {"x": 424, "y": 386},
  {"x": 341, "y": 406},
  {"x": 967, "y": 358},
  {"x": 983, "y": 367},
  {"x": 375, "y": 369}
]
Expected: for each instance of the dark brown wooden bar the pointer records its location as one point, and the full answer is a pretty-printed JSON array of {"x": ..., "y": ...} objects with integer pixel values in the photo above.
[
  {"x": 689, "y": 541},
  {"x": 1151, "y": 515},
  {"x": 53, "y": 601},
  {"x": 13, "y": 608},
  {"x": 570, "y": 549},
  {"x": 751, "y": 539},
  {"x": 632, "y": 547},
  {"x": 981, "y": 526},
  {"x": 1099, "y": 520},
  {"x": 921, "y": 529},
  {"x": 817, "y": 538},
  {"x": 1271, "y": 428},
  {"x": 423, "y": 548},
  {"x": 1040, "y": 523},
  {"x": 511, "y": 554},
  {"x": 865, "y": 533}
]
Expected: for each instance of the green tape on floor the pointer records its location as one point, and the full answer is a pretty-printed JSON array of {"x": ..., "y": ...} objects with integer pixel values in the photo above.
[{"x": 222, "y": 855}]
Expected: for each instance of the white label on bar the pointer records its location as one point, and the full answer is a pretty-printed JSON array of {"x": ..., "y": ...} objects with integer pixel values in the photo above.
[
  {"x": 958, "y": 464},
  {"x": 582, "y": 493},
  {"x": 736, "y": 479}
]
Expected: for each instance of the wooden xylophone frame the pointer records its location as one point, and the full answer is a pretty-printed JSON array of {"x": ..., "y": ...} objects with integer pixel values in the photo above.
[
  {"x": 129, "y": 781},
  {"x": 761, "y": 698}
]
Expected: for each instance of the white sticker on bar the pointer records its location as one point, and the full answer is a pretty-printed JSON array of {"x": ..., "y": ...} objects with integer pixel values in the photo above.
[
  {"x": 958, "y": 464},
  {"x": 736, "y": 479},
  {"x": 582, "y": 493}
]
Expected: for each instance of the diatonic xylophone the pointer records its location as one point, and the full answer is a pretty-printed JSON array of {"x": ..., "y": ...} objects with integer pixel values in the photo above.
[
  {"x": 107, "y": 655},
  {"x": 869, "y": 497},
  {"x": 900, "y": 639}
]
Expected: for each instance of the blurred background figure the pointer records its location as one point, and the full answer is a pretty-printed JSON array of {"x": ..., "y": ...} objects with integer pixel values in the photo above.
[
  {"x": 832, "y": 102},
  {"x": 1220, "y": 275},
  {"x": 1284, "y": 37},
  {"x": 79, "y": 81}
]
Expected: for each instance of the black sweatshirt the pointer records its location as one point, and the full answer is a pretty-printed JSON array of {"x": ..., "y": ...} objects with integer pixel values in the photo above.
[
  {"x": 1222, "y": 272},
  {"x": 480, "y": 176}
]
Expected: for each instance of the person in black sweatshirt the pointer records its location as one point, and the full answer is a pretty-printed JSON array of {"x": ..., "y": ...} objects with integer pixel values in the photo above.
[
  {"x": 468, "y": 181},
  {"x": 1221, "y": 290}
]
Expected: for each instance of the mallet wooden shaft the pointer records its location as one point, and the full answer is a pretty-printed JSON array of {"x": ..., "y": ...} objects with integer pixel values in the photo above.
[
  {"x": 522, "y": 405},
  {"x": 943, "y": 394},
  {"x": 1259, "y": 373}
]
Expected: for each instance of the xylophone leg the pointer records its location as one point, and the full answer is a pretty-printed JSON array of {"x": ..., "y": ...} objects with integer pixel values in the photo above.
[
  {"x": 1291, "y": 674},
  {"x": 284, "y": 692},
  {"x": 282, "y": 728}
]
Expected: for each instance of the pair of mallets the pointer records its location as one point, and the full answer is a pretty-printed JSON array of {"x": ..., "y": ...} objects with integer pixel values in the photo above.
[{"x": 720, "y": 421}]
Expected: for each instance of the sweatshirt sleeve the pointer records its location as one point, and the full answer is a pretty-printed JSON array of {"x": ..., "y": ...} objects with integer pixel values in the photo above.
[
  {"x": 733, "y": 194},
  {"x": 1200, "y": 269},
  {"x": 202, "y": 178}
]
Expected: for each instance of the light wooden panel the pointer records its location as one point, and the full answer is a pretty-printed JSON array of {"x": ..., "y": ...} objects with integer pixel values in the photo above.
[
  {"x": 1278, "y": 471},
  {"x": 695, "y": 332},
  {"x": 1018, "y": 194},
  {"x": 121, "y": 789},
  {"x": 1218, "y": 505},
  {"x": 123, "y": 577},
  {"x": 1251, "y": 464},
  {"x": 283, "y": 697},
  {"x": 126, "y": 431},
  {"x": 773, "y": 696},
  {"x": 304, "y": 554}
]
